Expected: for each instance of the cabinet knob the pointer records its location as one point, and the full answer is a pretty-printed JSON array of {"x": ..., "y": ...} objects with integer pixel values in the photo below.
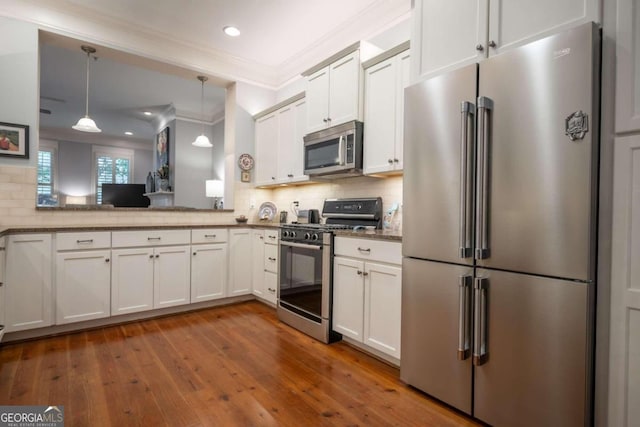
[
  {"x": 1, "y": 283},
  {"x": 271, "y": 259},
  {"x": 364, "y": 273},
  {"x": 364, "y": 249},
  {"x": 492, "y": 44},
  {"x": 359, "y": 272},
  {"x": 106, "y": 260},
  {"x": 157, "y": 256},
  {"x": 151, "y": 256},
  {"x": 325, "y": 120},
  {"x": 390, "y": 161},
  {"x": 479, "y": 47},
  {"x": 290, "y": 175},
  {"x": 396, "y": 161},
  {"x": 195, "y": 253},
  {"x": 273, "y": 178}
]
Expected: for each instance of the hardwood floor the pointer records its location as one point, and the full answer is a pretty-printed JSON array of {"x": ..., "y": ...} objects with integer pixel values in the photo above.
[{"x": 227, "y": 366}]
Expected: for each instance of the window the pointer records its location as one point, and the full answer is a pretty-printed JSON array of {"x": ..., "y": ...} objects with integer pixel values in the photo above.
[
  {"x": 47, "y": 174},
  {"x": 111, "y": 166}
]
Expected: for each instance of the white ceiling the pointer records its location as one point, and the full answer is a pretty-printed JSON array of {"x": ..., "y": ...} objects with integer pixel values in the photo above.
[{"x": 279, "y": 40}]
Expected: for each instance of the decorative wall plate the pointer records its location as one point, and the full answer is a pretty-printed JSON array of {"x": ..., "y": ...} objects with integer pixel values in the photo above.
[{"x": 245, "y": 161}]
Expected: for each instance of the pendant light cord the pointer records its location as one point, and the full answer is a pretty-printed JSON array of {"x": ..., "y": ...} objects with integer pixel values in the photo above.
[
  {"x": 86, "y": 104},
  {"x": 202, "y": 106}
]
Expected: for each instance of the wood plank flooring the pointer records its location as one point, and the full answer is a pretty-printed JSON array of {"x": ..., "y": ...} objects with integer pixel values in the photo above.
[{"x": 227, "y": 366}]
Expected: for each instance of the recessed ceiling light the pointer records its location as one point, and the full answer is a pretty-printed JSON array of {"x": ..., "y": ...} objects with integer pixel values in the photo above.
[
  {"x": 128, "y": 133},
  {"x": 231, "y": 31},
  {"x": 147, "y": 113}
]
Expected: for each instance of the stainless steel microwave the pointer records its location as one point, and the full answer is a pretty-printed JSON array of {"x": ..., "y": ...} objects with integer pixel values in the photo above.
[{"x": 334, "y": 152}]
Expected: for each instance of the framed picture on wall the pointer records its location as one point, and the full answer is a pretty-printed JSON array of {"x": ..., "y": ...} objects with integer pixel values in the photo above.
[
  {"x": 14, "y": 140},
  {"x": 162, "y": 148}
]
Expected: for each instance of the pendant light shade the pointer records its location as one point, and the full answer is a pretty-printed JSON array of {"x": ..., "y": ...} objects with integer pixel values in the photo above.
[
  {"x": 202, "y": 141},
  {"x": 86, "y": 124}
]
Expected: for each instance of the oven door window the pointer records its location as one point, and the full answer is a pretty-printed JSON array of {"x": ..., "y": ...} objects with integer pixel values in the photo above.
[
  {"x": 301, "y": 280},
  {"x": 323, "y": 154}
]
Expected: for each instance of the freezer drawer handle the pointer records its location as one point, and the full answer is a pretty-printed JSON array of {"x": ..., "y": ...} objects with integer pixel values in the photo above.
[
  {"x": 485, "y": 105},
  {"x": 480, "y": 353},
  {"x": 464, "y": 317},
  {"x": 467, "y": 131}
]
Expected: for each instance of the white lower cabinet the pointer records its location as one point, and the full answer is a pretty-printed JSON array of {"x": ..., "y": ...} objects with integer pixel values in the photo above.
[
  {"x": 171, "y": 276},
  {"x": 28, "y": 282},
  {"x": 240, "y": 271},
  {"x": 147, "y": 278},
  {"x": 83, "y": 285},
  {"x": 257, "y": 255},
  {"x": 367, "y": 294},
  {"x": 2, "y": 280},
  {"x": 208, "y": 272},
  {"x": 131, "y": 280}
]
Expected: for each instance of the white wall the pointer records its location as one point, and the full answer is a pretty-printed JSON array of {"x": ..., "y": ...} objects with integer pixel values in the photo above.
[{"x": 19, "y": 84}]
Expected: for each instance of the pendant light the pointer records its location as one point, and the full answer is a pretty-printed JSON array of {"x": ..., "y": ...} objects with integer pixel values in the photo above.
[
  {"x": 202, "y": 140},
  {"x": 86, "y": 124}
]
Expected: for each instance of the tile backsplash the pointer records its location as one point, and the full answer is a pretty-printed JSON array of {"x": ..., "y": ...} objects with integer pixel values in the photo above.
[{"x": 18, "y": 200}]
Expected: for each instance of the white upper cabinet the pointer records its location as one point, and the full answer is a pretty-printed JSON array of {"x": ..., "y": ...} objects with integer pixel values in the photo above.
[
  {"x": 334, "y": 93},
  {"x": 279, "y": 143},
  {"x": 450, "y": 34},
  {"x": 266, "y": 149},
  {"x": 628, "y": 67},
  {"x": 384, "y": 113}
]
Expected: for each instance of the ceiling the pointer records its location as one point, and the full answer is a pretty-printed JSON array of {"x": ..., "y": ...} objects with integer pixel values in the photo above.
[{"x": 279, "y": 39}]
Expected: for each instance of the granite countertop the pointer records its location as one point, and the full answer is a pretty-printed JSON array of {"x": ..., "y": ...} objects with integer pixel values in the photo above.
[
  {"x": 371, "y": 234},
  {"x": 367, "y": 234},
  {"x": 55, "y": 229}
]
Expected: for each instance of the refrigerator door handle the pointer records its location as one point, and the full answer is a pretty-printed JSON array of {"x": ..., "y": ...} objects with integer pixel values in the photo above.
[
  {"x": 464, "y": 317},
  {"x": 467, "y": 132},
  {"x": 480, "y": 353},
  {"x": 485, "y": 105}
]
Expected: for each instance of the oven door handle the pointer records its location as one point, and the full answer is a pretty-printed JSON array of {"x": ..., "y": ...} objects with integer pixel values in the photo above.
[{"x": 301, "y": 245}]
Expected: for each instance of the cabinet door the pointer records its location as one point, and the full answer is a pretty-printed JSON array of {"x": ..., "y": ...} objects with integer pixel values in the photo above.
[
  {"x": 297, "y": 147},
  {"x": 28, "y": 282},
  {"x": 513, "y": 23},
  {"x": 317, "y": 94},
  {"x": 348, "y": 297},
  {"x": 449, "y": 34},
  {"x": 208, "y": 271},
  {"x": 2, "y": 282},
  {"x": 270, "y": 286},
  {"x": 172, "y": 276},
  {"x": 83, "y": 286},
  {"x": 266, "y": 149},
  {"x": 257, "y": 252},
  {"x": 382, "y": 303},
  {"x": 627, "y": 67},
  {"x": 404, "y": 80},
  {"x": 286, "y": 137},
  {"x": 131, "y": 280},
  {"x": 239, "y": 260},
  {"x": 624, "y": 359},
  {"x": 381, "y": 92},
  {"x": 345, "y": 87}
]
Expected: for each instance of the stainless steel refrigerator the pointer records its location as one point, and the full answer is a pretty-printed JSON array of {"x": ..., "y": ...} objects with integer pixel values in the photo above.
[{"x": 499, "y": 240}]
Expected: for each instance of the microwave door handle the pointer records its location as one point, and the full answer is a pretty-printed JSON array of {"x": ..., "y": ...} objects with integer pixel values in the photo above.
[{"x": 341, "y": 150}]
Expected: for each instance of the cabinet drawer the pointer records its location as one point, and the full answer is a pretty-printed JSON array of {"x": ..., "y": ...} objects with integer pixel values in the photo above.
[
  {"x": 209, "y": 235},
  {"x": 87, "y": 240},
  {"x": 271, "y": 236},
  {"x": 271, "y": 258},
  {"x": 128, "y": 239},
  {"x": 369, "y": 249}
]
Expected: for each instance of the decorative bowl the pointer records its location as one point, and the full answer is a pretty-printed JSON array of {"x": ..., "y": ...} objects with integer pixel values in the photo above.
[{"x": 241, "y": 219}]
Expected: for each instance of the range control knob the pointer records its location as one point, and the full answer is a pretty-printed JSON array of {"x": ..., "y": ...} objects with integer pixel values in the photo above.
[
  {"x": 314, "y": 236},
  {"x": 307, "y": 236},
  {"x": 293, "y": 234},
  {"x": 285, "y": 233}
]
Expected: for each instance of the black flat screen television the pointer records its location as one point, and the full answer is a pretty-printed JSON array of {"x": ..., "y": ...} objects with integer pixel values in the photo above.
[{"x": 125, "y": 195}]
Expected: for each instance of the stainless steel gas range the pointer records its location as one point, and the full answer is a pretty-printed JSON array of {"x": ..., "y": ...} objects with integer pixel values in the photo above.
[{"x": 306, "y": 264}]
